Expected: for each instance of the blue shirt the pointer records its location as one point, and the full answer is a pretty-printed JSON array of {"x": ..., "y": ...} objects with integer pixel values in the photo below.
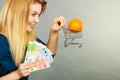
[{"x": 7, "y": 64}]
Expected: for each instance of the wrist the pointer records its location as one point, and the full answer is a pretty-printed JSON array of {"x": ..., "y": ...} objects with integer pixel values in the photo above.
[
  {"x": 54, "y": 32},
  {"x": 17, "y": 74}
]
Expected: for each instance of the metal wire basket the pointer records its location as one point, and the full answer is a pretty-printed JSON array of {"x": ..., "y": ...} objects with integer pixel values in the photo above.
[{"x": 72, "y": 38}]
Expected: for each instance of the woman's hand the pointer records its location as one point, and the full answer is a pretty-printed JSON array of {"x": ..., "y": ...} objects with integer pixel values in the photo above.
[
  {"x": 58, "y": 23},
  {"x": 23, "y": 69}
]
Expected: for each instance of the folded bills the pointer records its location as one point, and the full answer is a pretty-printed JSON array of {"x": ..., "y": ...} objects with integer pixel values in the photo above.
[{"x": 40, "y": 54}]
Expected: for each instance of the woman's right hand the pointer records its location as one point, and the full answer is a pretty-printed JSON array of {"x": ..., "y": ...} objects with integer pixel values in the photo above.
[{"x": 23, "y": 69}]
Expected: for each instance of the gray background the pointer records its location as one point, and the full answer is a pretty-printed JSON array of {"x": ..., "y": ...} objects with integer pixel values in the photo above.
[{"x": 99, "y": 57}]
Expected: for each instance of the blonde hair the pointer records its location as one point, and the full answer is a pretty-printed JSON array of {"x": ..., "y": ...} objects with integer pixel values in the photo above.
[{"x": 13, "y": 24}]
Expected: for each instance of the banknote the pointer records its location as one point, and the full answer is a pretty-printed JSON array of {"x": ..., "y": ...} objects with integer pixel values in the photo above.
[{"x": 40, "y": 54}]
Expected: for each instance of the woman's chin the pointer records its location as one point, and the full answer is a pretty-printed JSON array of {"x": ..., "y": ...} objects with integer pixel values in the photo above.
[{"x": 29, "y": 30}]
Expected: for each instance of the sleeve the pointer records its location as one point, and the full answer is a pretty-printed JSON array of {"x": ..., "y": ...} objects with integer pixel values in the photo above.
[
  {"x": 40, "y": 41},
  {"x": 6, "y": 62},
  {"x": 3, "y": 65}
]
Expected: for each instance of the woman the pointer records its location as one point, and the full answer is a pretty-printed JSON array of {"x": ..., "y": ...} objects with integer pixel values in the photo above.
[{"x": 17, "y": 21}]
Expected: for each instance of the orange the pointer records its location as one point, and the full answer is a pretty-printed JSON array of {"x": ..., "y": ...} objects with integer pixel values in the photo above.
[{"x": 75, "y": 25}]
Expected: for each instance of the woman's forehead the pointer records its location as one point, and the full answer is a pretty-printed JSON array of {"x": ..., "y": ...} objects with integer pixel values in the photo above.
[{"x": 36, "y": 7}]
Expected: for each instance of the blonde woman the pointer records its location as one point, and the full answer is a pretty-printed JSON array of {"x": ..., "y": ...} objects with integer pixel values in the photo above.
[{"x": 17, "y": 21}]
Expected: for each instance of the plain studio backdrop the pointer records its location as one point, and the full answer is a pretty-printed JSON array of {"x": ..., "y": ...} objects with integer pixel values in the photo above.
[{"x": 99, "y": 56}]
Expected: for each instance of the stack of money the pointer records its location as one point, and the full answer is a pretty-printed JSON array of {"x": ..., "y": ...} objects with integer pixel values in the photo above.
[{"x": 40, "y": 54}]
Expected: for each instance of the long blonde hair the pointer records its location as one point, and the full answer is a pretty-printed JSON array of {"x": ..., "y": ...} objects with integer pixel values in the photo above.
[{"x": 13, "y": 24}]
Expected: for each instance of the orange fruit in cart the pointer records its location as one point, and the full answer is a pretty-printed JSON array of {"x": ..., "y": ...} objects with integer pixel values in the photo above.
[{"x": 75, "y": 25}]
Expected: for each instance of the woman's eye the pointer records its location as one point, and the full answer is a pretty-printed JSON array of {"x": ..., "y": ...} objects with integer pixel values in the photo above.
[{"x": 33, "y": 15}]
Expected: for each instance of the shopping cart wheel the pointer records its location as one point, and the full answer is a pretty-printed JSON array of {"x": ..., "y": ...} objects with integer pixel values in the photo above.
[{"x": 80, "y": 45}]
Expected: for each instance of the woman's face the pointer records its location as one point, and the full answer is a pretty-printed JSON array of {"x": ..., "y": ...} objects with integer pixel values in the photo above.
[{"x": 33, "y": 18}]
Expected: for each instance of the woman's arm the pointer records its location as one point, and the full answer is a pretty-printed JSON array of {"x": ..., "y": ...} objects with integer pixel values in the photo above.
[
  {"x": 53, "y": 37},
  {"x": 11, "y": 76},
  {"x": 53, "y": 42},
  {"x": 22, "y": 71}
]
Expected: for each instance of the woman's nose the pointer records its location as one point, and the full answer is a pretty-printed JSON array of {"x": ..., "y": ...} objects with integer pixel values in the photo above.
[{"x": 37, "y": 20}]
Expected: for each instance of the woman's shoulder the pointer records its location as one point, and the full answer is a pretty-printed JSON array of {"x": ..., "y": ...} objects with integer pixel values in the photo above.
[
  {"x": 3, "y": 39},
  {"x": 4, "y": 45}
]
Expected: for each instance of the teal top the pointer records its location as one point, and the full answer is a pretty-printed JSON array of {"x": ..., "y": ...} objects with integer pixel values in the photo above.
[{"x": 7, "y": 64}]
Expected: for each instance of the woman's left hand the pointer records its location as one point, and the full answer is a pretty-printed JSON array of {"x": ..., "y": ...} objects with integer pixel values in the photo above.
[{"x": 58, "y": 23}]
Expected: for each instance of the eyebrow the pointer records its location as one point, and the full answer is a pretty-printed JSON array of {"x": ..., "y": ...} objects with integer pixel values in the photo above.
[{"x": 35, "y": 12}]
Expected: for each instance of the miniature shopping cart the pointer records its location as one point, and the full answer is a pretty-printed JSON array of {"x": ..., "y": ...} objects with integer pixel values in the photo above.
[{"x": 72, "y": 38}]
